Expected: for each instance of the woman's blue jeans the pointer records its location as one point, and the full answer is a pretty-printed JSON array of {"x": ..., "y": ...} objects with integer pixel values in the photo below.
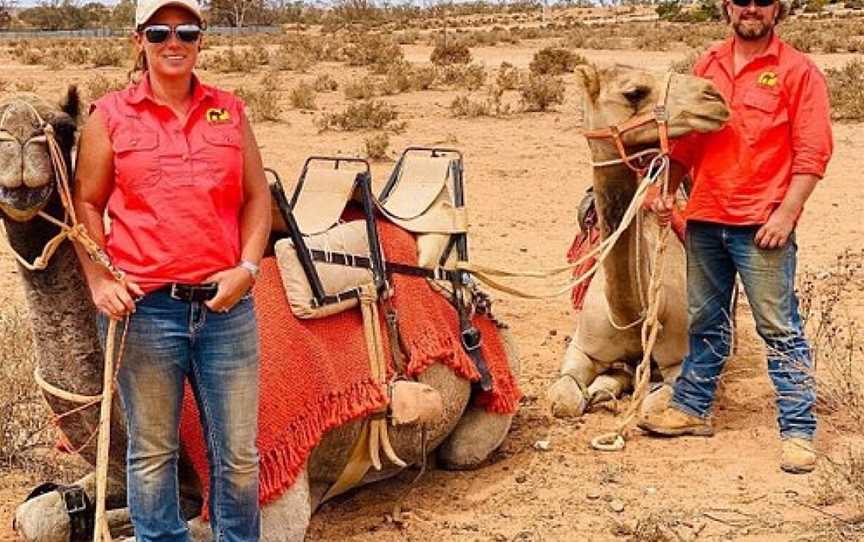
[
  {"x": 168, "y": 341},
  {"x": 715, "y": 254}
]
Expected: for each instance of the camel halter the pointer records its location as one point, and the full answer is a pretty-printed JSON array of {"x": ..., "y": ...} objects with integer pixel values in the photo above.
[
  {"x": 70, "y": 228},
  {"x": 659, "y": 116}
]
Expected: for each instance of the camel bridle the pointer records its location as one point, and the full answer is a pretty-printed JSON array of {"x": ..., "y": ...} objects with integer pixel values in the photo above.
[{"x": 659, "y": 116}]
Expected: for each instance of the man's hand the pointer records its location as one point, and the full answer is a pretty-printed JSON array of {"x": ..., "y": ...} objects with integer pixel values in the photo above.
[
  {"x": 113, "y": 298},
  {"x": 232, "y": 285},
  {"x": 775, "y": 233},
  {"x": 662, "y": 208}
]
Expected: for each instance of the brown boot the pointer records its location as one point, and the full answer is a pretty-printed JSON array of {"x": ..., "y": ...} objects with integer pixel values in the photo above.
[
  {"x": 672, "y": 422},
  {"x": 799, "y": 456}
]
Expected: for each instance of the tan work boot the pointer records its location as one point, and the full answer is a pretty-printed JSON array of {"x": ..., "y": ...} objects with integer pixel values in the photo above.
[
  {"x": 672, "y": 422},
  {"x": 799, "y": 456}
]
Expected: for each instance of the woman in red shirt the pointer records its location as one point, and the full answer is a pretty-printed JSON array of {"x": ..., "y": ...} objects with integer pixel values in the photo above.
[{"x": 176, "y": 167}]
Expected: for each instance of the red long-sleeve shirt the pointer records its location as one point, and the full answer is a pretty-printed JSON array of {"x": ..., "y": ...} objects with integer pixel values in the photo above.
[{"x": 780, "y": 126}]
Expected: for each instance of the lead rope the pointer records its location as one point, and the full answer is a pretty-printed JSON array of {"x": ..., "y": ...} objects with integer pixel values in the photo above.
[
  {"x": 77, "y": 233},
  {"x": 650, "y": 329}
]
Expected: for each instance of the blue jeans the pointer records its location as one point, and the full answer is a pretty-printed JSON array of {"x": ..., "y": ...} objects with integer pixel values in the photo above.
[
  {"x": 169, "y": 341},
  {"x": 715, "y": 253}
]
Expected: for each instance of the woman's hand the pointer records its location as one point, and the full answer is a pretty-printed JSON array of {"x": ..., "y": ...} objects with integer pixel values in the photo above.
[
  {"x": 232, "y": 285},
  {"x": 114, "y": 298}
]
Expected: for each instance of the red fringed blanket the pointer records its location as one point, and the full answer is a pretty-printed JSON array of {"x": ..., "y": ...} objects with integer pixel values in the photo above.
[{"x": 315, "y": 373}]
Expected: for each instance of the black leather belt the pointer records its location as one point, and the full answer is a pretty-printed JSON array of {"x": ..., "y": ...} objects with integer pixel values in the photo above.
[{"x": 191, "y": 292}]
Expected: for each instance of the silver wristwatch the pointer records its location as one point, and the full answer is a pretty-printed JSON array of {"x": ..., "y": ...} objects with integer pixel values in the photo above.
[{"x": 251, "y": 267}]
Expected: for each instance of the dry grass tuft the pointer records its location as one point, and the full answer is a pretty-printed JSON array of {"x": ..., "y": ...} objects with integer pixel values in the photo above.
[
  {"x": 361, "y": 89},
  {"x": 100, "y": 85},
  {"x": 366, "y": 115},
  {"x": 303, "y": 96},
  {"x": 685, "y": 65},
  {"x": 262, "y": 102},
  {"x": 453, "y": 52},
  {"x": 467, "y": 76},
  {"x": 23, "y": 415},
  {"x": 106, "y": 54},
  {"x": 846, "y": 86},
  {"x": 555, "y": 61},
  {"x": 491, "y": 105},
  {"x": 541, "y": 92},
  {"x": 376, "y": 146},
  {"x": 375, "y": 50},
  {"x": 325, "y": 83},
  {"x": 509, "y": 77}
]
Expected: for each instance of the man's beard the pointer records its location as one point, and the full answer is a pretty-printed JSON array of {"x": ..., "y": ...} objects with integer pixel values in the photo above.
[{"x": 751, "y": 32}]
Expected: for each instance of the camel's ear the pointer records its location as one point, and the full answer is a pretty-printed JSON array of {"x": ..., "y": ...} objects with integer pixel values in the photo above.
[
  {"x": 589, "y": 79},
  {"x": 71, "y": 104}
]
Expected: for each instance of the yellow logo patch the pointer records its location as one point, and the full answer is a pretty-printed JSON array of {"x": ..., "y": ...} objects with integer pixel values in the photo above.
[
  {"x": 767, "y": 79},
  {"x": 217, "y": 116}
]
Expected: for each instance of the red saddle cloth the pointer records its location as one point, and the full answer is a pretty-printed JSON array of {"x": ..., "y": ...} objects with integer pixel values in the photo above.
[
  {"x": 315, "y": 374},
  {"x": 589, "y": 238}
]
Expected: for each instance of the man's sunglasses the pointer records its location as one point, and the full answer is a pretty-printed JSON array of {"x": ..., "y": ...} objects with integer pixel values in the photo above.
[
  {"x": 159, "y": 33},
  {"x": 759, "y": 3}
]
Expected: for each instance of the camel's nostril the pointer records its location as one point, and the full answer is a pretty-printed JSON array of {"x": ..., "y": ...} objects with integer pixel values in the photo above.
[{"x": 713, "y": 94}]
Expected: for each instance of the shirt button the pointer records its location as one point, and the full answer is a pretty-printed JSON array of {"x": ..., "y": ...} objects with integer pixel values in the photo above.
[{"x": 185, "y": 157}]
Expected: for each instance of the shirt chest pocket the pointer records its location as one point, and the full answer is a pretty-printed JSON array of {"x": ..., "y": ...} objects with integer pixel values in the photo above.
[
  {"x": 763, "y": 115},
  {"x": 136, "y": 158},
  {"x": 222, "y": 154}
]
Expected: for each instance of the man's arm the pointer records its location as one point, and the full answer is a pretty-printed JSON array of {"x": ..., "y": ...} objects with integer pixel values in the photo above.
[
  {"x": 776, "y": 231},
  {"x": 663, "y": 207}
]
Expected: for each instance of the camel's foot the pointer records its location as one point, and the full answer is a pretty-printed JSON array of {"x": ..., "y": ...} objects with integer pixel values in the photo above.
[
  {"x": 478, "y": 434},
  {"x": 566, "y": 398},
  {"x": 657, "y": 400},
  {"x": 44, "y": 518},
  {"x": 609, "y": 386}
]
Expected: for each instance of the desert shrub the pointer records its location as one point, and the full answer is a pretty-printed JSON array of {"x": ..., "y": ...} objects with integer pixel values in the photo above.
[
  {"x": 685, "y": 65},
  {"x": 105, "y": 54},
  {"x": 77, "y": 55},
  {"x": 491, "y": 105},
  {"x": 375, "y": 50},
  {"x": 361, "y": 89},
  {"x": 29, "y": 55},
  {"x": 303, "y": 96},
  {"x": 25, "y": 86},
  {"x": 23, "y": 418},
  {"x": 554, "y": 61},
  {"x": 397, "y": 79},
  {"x": 470, "y": 76},
  {"x": 262, "y": 103},
  {"x": 540, "y": 92},
  {"x": 846, "y": 86},
  {"x": 289, "y": 59},
  {"x": 376, "y": 146},
  {"x": 259, "y": 54},
  {"x": 100, "y": 85},
  {"x": 325, "y": 83},
  {"x": 450, "y": 52},
  {"x": 366, "y": 115},
  {"x": 231, "y": 60},
  {"x": 508, "y": 77}
]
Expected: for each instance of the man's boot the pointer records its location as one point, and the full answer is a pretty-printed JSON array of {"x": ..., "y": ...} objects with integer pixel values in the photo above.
[
  {"x": 799, "y": 456},
  {"x": 672, "y": 422}
]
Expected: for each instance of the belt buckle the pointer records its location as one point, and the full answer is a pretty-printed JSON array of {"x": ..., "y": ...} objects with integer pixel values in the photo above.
[{"x": 174, "y": 294}]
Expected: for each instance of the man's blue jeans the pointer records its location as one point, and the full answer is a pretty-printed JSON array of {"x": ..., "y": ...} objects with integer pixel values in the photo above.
[
  {"x": 715, "y": 253},
  {"x": 168, "y": 341}
]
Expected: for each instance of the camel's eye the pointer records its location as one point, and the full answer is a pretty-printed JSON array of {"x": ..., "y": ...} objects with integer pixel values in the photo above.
[{"x": 636, "y": 95}]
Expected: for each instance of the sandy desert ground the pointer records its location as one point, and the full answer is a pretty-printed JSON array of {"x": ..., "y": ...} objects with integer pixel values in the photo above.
[{"x": 525, "y": 175}]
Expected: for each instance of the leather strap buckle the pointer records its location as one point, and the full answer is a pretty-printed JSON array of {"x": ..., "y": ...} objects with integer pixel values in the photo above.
[
  {"x": 75, "y": 499},
  {"x": 471, "y": 339}
]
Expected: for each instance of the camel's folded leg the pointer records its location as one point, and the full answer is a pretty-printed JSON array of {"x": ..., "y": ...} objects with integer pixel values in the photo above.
[
  {"x": 479, "y": 432},
  {"x": 44, "y": 518},
  {"x": 567, "y": 395},
  {"x": 609, "y": 386}
]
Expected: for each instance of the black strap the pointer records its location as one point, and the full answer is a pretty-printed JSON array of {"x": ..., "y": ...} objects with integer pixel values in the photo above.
[{"x": 81, "y": 511}]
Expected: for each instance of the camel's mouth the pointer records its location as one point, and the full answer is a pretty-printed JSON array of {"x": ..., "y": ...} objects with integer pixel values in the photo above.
[{"x": 22, "y": 203}]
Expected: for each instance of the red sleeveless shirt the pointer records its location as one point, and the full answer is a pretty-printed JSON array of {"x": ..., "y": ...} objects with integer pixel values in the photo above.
[{"x": 178, "y": 187}]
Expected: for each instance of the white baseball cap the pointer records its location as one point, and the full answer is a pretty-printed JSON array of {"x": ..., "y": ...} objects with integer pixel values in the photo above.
[{"x": 145, "y": 9}]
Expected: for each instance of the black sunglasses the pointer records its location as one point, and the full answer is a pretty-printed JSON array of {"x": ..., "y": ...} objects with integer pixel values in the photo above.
[
  {"x": 759, "y": 3},
  {"x": 159, "y": 33}
]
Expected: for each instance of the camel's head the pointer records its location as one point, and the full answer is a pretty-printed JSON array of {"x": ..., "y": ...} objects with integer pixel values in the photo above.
[
  {"x": 617, "y": 94},
  {"x": 26, "y": 172}
]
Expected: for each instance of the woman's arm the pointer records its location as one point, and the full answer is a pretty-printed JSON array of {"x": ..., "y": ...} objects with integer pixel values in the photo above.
[
  {"x": 255, "y": 222},
  {"x": 94, "y": 180}
]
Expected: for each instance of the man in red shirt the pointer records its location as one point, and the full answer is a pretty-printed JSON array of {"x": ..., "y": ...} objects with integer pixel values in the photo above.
[{"x": 750, "y": 182}]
